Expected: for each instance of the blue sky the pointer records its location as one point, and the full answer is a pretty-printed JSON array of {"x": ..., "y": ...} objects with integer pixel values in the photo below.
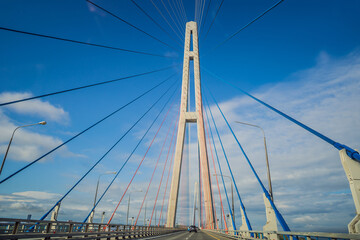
[{"x": 302, "y": 57}]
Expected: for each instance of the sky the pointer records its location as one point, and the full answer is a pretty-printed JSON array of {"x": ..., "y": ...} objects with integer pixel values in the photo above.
[{"x": 302, "y": 57}]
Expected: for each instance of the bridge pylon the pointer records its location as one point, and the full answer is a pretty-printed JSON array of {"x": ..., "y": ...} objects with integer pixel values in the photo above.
[
  {"x": 191, "y": 54},
  {"x": 352, "y": 171}
]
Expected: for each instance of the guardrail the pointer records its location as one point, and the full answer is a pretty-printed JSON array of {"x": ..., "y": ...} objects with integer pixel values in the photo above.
[
  {"x": 34, "y": 229},
  {"x": 272, "y": 235}
]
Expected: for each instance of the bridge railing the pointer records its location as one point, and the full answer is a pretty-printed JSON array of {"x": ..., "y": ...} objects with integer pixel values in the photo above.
[
  {"x": 23, "y": 228},
  {"x": 272, "y": 235}
]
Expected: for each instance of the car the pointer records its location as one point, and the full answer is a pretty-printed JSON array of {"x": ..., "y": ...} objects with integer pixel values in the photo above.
[{"x": 192, "y": 228}]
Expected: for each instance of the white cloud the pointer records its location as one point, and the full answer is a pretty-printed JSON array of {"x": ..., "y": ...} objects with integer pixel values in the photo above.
[
  {"x": 28, "y": 145},
  {"x": 37, "y": 195},
  {"x": 9, "y": 198},
  {"x": 305, "y": 219},
  {"x": 310, "y": 187},
  {"x": 306, "y": 171},
  {"x": 34, "y": 107},
  {"x": 18, "y": 204}
]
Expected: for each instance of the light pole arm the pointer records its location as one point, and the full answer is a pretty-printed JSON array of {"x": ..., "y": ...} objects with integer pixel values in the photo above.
[
  {"x": 12, "y": 136},
  {"x": 252, "y": 126},
  {"x": 266, "y": 156}
]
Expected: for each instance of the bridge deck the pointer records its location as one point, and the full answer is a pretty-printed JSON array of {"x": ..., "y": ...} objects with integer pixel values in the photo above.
[{"x": 184, "y": 235}]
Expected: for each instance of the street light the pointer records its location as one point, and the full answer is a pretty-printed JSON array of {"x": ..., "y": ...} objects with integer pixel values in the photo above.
[
  {"x": 232, "y": 194},
  {"x": 12, "y": 136},
  {"x": 102, "y": 217},
  {"x": 97, "y": 185},
  {"x": 127, "y": 214},
  {"x": 266, "y": 155},
  {"x": 96, "y": 192},
  {"x": 145, "y": 213}
]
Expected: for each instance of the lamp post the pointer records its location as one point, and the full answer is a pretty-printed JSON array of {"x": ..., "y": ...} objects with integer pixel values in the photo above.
[
  {"x": 155, "y": 215},
  {"x": 96, "y": 192},
  {"x": 97, "y": 185},
  {"x": 266, "y": 156},
  {"x": 145, "y": 214},
  {"x": 232, "y": 194},
  {"x": 127, "y": 214},
  {"x": 102, "y": 217},
  {"x": 12, "y": 136}
]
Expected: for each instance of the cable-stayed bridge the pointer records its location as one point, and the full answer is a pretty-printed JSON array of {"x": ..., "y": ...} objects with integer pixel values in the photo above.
[{"x": 184, "y": 187}]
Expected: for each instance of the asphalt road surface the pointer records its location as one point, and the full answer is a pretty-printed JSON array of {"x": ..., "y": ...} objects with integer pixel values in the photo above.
[{"x": 185, "y": 235}]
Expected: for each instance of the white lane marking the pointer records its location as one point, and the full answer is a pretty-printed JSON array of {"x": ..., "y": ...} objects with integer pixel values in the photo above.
[
  {"x": 164, "y": 235},
  {"x": 189, "y": 236}
]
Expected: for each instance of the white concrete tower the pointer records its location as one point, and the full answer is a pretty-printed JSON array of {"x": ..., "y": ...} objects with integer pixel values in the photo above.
[{"x": 191, "y": 117}]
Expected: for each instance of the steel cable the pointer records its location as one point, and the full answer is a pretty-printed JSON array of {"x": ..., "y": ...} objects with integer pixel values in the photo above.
[
  {"x": 181, "y": 15},
  {"x": 128, "y": 158},
  {"x": 228, "y": 164},
  {"x": 106, "y": 153},
  {"x": 156, "y": 23},
  {"x": 112, "y": 215},
  {"x": 339, "y": 146},
  {"x": 183, "y": 9},
  {"x": 207, "y": 127},
  {"x": 207, "y": 11},
  {"x": 152, "y": 176},
  {"x": 267, "y": 195},
  {"x": 168, "y": 175},
  {"x": 247, "y": 25},
  {"x": 175, "y": 23},
  {"x": 212, "y": 22},
  {"x": 162, "y": 175},
  {"x": 84, "y": 43},
  {"x": 178, "y": 19},
  {"x": 201, "y": 14},
  {"x": 196, "y": 10},
  {"x": 83, "y": 131},
  {"x": 131, "y": 25},
  {"x": 82, "y": 87},
  {"x": 161, "y": 14}
]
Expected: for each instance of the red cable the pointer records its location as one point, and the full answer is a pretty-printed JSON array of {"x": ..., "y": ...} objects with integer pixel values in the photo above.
[
  {"x": 112, "y": 215},
  {"x": 162, "y": 175},
  {"x": 217, "y": 182},
  {"x": 152, "y": 176},
  {"x": 167, "y": 180}
]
